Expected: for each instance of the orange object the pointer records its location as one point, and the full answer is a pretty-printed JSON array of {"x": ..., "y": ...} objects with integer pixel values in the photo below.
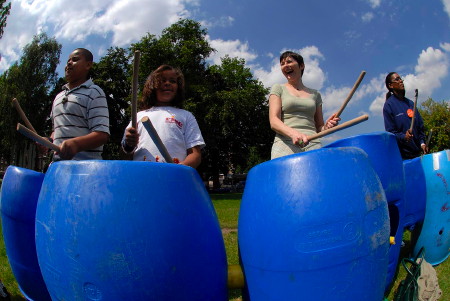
[{"x": 410, "y": 113}]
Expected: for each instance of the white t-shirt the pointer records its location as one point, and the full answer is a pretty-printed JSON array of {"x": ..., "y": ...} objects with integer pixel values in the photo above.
[{"x": 177, "y": 128}]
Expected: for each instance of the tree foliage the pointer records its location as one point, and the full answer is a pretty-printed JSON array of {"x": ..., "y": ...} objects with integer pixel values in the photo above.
[
  {"x": 4, "y": 12},
  {"x": 436, "y": 117},
  {"x": 112, "y": 73},
  {"x": 234, "y": 116},
  {"x": 32, "y": 81},
  {"x": 228, "y": 103}
]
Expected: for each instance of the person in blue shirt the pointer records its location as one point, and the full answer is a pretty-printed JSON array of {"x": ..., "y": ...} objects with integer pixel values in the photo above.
[{"x": 397, "y": 112}]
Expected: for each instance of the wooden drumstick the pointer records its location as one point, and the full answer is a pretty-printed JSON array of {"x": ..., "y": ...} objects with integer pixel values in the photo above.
[
  {"x": 414, "y": 111},
  {"x": 355, "y": 86},
  {"x": 22, "y": 115},
  {"x": 137, "y": 56},
  {"x": 35, "y": 137},
  {"x": 345, "y": 125},
  {"x": 156, "y": 139}
]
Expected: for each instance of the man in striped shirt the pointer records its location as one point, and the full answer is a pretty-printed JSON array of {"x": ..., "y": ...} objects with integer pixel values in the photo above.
[{"x": 80, "y": 114}]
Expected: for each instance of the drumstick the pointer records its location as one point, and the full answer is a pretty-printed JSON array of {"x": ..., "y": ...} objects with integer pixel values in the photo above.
[
  {"x": 355, "y": 86},
  {"x": 137, "y": 56},
  {"x": 429, "y": 137},
  {"x": 414, "y": 111},
  {"x": 345, "y": 125},
  {"x": 33, "y": 136},
  {"x": 155, "y": 137},
  {"x": 22, "y": 115}
]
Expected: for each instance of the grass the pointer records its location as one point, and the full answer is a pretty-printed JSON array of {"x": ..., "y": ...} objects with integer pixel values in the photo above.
[
  {"x": 6, "y": 274},
  {"x": 227, "y": 208}
]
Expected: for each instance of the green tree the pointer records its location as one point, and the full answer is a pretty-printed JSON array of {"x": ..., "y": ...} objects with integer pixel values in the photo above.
[
  {"x": 182, "y": 45},
  {"x": 230, "y": 106},
  {"x": 436, "y": 117},
  {"x": 32, "y": 81},
  {"x": 4, "y": 12},
  {"x": 113, "y": 74},
  {"x": 235, "y": 118}
]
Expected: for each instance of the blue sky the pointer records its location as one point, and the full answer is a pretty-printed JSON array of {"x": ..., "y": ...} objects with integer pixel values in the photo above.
[{"x": 338, "y": 40}]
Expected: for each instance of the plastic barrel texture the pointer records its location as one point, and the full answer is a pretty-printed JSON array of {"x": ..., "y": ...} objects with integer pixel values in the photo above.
[
  {"x": 314, "y": 226},
  {"x": 383, "y": 152},
  {"x": 123, "y": 230},
  {"x": 435, "y": 233},
  {"x": 19, "y": 198},
  {"x": 415, "y": 192}
]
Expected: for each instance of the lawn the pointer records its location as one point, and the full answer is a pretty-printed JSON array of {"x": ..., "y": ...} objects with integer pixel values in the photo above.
[{"x": 227, "y": 208}]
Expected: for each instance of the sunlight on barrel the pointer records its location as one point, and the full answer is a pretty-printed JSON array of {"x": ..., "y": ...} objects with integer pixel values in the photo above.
[
  {"x": 121, "y": 230},
  {"x": 314, "y": 226}
]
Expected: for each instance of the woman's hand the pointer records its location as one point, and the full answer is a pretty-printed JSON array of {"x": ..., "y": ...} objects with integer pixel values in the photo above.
[
  {"x": 299, "y": 138},
  {"x": 424, "y": 149},
  {"x": 332, "y": 121}
]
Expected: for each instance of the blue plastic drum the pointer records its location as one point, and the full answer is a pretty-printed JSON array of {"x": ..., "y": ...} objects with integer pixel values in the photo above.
[
  {"x": 19, "y": 197},
  {"x": 435, "y": 233},
  {"x": 121, "y": 230},
  {"x": 383, "y": 152},
  {"x": 415, "y": 192},
  {"x": 385, "y": 156},
  {"x": 314, "y": 226}
]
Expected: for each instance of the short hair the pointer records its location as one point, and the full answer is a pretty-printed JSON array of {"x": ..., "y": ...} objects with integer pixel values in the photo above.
[
  {"x": 152, "y": 83},
  {"x": 387, "y": 81},
  {"x": 297, "y": 57},
  {"x": 86, "y": 53}
]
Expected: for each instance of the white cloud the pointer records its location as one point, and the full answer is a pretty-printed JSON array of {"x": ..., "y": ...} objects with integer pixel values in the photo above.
[
  {"x": 367, "y": 17},
  {"x": 124, "y": 21},
  {"x": 446, "y": 6},
  {"x": 232, "y": 48},
  {"x": 374, "y": 3},
  {"x": 445, "y": 46},
  {"x": 224, "y": 21}
]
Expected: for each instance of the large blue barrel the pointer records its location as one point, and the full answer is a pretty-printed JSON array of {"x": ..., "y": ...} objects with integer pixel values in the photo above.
[
  {"x": 19, "y": 197},
  {"x": 121, "y": 230},
  {"x": 314, "y": 226},
  {"x": 415, "y": 192},
  {"x": 435, "y": 233},
  {"x": 383, "y": 152}
]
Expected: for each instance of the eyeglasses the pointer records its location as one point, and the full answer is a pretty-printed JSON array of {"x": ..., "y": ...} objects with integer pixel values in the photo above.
[{"x": 397, "y": 79}]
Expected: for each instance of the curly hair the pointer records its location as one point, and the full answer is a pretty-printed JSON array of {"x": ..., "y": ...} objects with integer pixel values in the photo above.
[{"x": 152, "y": 83}]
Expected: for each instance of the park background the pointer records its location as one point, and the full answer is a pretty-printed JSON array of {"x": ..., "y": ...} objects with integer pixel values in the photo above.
[{"x": 229, "y": 52}]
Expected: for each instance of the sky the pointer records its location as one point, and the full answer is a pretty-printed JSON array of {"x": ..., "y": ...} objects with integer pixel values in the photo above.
[{"x": 338, "y": 39}]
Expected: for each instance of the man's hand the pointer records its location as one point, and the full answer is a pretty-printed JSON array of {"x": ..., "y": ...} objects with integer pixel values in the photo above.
[{"x": 408, "y": 135}]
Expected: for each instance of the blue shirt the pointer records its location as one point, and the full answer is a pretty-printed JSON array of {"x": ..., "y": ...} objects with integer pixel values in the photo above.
[{"x": 397, "y": 121}]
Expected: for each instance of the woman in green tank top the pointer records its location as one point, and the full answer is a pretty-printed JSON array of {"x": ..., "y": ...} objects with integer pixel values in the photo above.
[{"x": 295, "y": 111}]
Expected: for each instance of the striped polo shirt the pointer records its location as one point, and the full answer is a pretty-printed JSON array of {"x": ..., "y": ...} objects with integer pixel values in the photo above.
[{"x": 78, "y": 112}]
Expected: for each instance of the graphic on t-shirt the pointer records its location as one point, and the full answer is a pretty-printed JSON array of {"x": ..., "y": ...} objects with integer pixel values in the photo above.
[{"x": 172, "y": 119}]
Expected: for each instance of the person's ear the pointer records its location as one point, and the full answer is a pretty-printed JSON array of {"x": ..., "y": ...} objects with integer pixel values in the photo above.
[{"x": 89, "y": 65}]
